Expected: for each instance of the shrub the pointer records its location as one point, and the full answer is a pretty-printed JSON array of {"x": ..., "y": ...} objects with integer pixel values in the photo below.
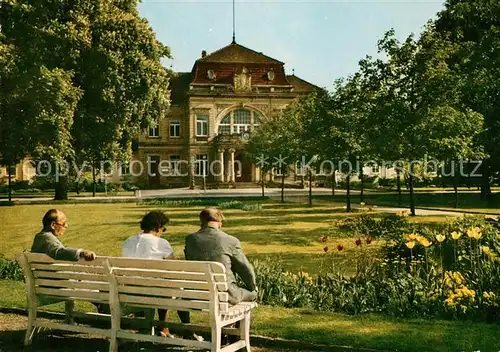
[
  {"x": 10, "y": 270},
  {"x": 423, "y": 272}
]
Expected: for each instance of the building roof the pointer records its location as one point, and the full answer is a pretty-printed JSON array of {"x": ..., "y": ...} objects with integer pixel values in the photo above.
[
  {"x": 236, "y": 53},
  {"x": 224, "y": 73},
  {"x": 300, "y": 85}
]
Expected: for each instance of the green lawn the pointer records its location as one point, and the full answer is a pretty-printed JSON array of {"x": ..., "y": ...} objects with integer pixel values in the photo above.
[
  {"x": 290, "y": 231},
  {"x": 365, "y": 331},
  {"x": 45, "y": 194},
  {"x": 469, "y": 202}
]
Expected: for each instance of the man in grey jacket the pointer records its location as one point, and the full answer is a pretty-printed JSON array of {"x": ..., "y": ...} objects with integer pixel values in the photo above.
[
  {"x": 211, "y": 244},
  {"x": 47, "y": 241}
]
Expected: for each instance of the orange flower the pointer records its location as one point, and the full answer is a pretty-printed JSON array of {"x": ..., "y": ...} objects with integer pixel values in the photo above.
[
  {"x": 369, "y": 240},
  {"x": 410, "y": 244},
  {"x": 340, "y": 247},
  {"x": 325, "y": 249},
  {"x": 358, "y": 242},
  {"x": 324, "y": 238}
]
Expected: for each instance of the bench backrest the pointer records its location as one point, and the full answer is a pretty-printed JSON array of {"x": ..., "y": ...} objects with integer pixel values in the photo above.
[
  {"x": 176, "y": 284},
  {"x": 82, "y": 280}
]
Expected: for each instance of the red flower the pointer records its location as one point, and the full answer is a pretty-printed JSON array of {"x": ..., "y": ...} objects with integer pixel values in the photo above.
[
  {"x": 324, "y": 238},
  {"x": 325, "y": 249},
  {"x": 340, "y": 247},
  {"x": 369, "y": 240},
  {"x": 358, "y": 242}
]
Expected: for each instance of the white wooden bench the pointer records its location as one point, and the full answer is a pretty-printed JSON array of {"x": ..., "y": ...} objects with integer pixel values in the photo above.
[
  {"x": 126, "y": 282},
  {"x": 48, "y": 279}
]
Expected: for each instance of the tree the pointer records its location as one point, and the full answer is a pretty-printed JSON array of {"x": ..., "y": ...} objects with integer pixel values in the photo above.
[
  {"x": 473, "y": 28},
  {"x": 417, "y": 98},
  {"x": 110, "y": 55},
  {"x": 277, "y": 143}
]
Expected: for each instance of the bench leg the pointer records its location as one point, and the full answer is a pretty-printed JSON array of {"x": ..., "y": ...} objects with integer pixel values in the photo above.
[
  {"x": 30, "y": 330},
  {"x": 216, "y": 338},
  {"x": 245, "y": 330},
  {"x": 69, "y": 307}
]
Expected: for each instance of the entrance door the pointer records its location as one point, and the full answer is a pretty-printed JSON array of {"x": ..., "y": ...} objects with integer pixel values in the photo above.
[
  {"x": 242, "y": 167},
  {"x": 153, "y": 170}
]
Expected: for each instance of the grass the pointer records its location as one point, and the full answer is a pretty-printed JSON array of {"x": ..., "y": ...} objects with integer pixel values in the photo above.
[
  {"x": 469, "y": 202},
  {"x": 366, "y": 331},
  {"x": 290, "y": 231},
  {"x": 47, "y": 194}
]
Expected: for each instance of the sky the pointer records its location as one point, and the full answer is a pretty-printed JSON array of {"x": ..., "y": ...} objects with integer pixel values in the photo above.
[{"x": 320, "y": 41}]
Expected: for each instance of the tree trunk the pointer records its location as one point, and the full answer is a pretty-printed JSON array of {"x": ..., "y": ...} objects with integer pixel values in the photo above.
[
  {"x": 283, "y": 187},
  {"x": 348, "y": 192},
  {"x": 410, "y": 185},
  {"x": 361, "y": 179},
  {"x": 333, "y": 182},
  {"x": 61, "y": 188},
  {"x": 455, "y": 188},
  {"x": 10, "y": 183},
  {"x": 310, "y": 189},
  {"x": 94, "y": 185},
  {"x": 262, "y": 182},
  {"x": 398, "y": 183},
  {"x": 485, "y": 181}
]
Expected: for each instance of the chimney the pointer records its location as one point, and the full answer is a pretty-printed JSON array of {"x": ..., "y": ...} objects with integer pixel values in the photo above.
[{"x": 203, "y": 53}]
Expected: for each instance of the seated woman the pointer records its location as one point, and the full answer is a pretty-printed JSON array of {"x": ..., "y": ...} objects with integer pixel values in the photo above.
[{"x": 149, "y": 245}]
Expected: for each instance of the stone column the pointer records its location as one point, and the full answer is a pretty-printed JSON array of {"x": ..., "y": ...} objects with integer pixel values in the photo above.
[
  {"x": 221, "y": 165},
  {"x": 232, "y": 175},
  {"x": 192, "y": 161}
]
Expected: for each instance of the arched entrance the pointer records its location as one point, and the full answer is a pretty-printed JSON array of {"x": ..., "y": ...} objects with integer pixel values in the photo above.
[{"x": 242, "y": 167}]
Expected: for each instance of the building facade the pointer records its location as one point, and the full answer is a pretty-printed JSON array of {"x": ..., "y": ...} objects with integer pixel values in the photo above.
[{"x": 214, "y": 109}]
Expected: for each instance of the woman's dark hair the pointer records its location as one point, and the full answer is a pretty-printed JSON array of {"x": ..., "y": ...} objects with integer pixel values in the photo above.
[{"x": 153, "y": 220}]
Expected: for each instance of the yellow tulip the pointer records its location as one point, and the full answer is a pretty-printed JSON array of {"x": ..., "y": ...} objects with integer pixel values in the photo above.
[
  {"x": 410, "y": 244},
  {"x": 424, "y": 242},
  {"x": 412, "y": 236},
  {"x": 475, "y": 233},
  {"x": 440, "y": 238},
  {"x": 455, "y": 235},
  {"x": 485, "y": 249}
]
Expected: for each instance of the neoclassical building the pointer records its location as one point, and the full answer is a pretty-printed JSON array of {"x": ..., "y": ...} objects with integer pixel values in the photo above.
[{"x": 214, "y": 109}]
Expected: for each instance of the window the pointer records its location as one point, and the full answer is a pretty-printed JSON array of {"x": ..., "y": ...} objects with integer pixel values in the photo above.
[
  {"x": 225, "y": 125},
  {"x": 124, "y": 168},
  {"x": 375, "y": 168},
  {"x": 175, "y": 165},
  {"x": 175, "y": 128},
  {"x": 239, "y": 121},
  {"x": 201, "y": 126},
  {"x": 154, "y": 131},
  {"x": 11, "y": 171},
  {"x": 201, "y": 165}
]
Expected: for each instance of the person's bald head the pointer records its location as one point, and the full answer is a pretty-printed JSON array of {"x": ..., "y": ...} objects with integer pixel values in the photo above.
[
  {"x": 211, "y": 215},
  {"x": 55, "y": 221}
]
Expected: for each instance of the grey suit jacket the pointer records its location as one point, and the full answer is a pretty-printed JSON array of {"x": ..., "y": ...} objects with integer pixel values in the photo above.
[
  {"x": 210, "y": 244},
  {"x": 47, "y": 243}
]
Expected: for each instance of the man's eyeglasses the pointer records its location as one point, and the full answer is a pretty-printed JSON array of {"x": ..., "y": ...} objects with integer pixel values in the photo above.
[
  {"x": 163, "y": 229},
  {"x": 63, "y": 224}
]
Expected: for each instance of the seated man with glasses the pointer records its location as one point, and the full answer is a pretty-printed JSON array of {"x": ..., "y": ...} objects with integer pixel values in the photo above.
[{"x": 47, "y": 241}]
